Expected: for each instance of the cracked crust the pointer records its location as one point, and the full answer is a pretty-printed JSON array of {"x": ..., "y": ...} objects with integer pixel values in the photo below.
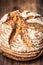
[{"x": 25, "y": 39}]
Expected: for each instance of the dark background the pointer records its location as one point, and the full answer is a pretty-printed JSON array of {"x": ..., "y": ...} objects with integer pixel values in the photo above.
[
  {"x": 6, "y": 61},
  {"x": 30, "y": 5}
]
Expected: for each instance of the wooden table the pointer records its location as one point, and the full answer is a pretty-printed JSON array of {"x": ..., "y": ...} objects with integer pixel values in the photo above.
[
  {"x": 7, "y": 6},
  {"x": 30, "y": 5},
  {"x": 6, "y": 61}
]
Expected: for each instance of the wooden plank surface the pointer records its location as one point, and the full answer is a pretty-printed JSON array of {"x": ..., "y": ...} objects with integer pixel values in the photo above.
[
  {"x": 6, "y": 61},
  {"x": 30, "y": 5}
]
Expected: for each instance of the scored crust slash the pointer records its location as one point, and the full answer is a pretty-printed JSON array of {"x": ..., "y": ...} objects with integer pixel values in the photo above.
[{"x": 21, "y": 35}]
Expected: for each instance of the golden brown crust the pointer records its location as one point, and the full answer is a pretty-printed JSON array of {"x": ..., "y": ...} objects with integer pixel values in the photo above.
[
  {"x": 19, "y": 26},
  {"x": 35, "y": 26},
  {"x": 20, "y": 56},
  {"x": 12, "y": 18}
]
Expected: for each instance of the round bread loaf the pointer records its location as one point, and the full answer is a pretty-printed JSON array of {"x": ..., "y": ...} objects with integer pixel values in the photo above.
[{"x": 21, "y": 35}]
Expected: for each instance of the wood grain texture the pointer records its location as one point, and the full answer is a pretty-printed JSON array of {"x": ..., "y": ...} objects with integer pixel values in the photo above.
[
  {"x": 30, "y": 5},
  {"x": 6, "y": 61}
]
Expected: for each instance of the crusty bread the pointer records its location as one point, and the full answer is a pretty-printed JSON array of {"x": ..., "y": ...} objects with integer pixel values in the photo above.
[{"x": 21, "y": 36}]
